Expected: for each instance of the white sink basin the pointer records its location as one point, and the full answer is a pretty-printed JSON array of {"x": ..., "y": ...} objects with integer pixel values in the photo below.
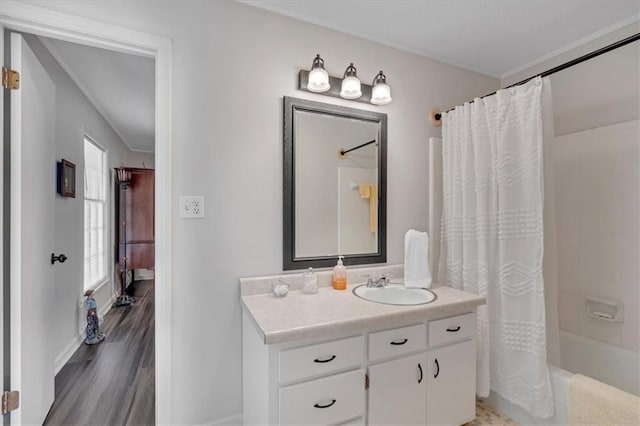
[{"x": 395, "y": 294}]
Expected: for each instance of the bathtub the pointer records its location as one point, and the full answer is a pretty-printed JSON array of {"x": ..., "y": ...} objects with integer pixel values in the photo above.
[{"x": 607, "y": 363}]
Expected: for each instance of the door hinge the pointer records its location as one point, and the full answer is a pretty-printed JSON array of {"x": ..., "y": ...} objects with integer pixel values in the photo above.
[
  {"x": 10, "y": 401},
  {"x": 10, "y": 79},
  {"x": 366, "y": 382}
]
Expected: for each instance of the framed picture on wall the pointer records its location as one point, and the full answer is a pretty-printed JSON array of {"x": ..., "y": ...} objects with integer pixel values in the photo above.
[{"x": 66, "y": 178}]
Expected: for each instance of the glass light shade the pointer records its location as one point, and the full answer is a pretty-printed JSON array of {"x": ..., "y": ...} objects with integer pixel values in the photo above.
[
  {"x": 318, "y": 80},
  {"x": 381, "y": 94},
  {"x": 350, "y": 88}
]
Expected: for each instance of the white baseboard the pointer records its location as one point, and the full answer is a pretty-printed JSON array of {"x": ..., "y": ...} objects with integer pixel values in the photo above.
[
  {"x": 77, "y": 341},
  {"x": 67, "y": 353},
  {"x": 107, "y": 306},
  {"x": 235, "y": 420},
  {"x": 144, "y": 274}
]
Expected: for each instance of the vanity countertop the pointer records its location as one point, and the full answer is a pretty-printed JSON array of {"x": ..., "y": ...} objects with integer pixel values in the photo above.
[{"x": 301, "y": 316}]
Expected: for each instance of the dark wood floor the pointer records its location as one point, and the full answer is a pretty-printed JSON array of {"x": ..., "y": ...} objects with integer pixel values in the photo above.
[{"x": 112, "y": 383}]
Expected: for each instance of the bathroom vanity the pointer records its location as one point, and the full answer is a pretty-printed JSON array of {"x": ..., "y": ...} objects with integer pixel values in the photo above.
[{"x": 333, "y": 358}]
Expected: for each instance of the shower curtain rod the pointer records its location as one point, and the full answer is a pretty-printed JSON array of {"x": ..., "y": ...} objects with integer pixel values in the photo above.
[
  {"x": 566, "y": 65},
  {"x": 343, "y": 152}
]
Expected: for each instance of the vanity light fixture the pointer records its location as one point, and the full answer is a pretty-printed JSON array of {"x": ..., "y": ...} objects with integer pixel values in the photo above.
[
  {"x": 381, "y": 92},
  {"x": 317, "y": 80},
  {"x": 318, "y": 76},
  {"x": 350, "y": 84}
]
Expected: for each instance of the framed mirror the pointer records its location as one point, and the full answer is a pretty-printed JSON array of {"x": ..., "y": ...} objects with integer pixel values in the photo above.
[{"x": 335, "y": 182}]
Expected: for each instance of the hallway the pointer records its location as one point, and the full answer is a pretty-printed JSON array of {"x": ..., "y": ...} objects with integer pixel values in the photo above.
[{"x": 112, "y": 382}]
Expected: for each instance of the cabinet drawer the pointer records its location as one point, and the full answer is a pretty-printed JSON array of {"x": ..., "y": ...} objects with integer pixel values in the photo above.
[
  {"x": 452, "y": 329},
  {"x": 325, "y": 401},
  {"x": 384, "y": 344},
  {"x": 314, "y": 360}
]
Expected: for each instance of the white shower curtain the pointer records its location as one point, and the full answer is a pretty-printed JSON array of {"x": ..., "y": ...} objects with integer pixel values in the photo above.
[{"x": 492, "y": 237}]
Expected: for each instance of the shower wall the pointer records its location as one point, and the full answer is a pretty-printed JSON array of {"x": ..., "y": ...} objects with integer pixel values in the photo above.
[{"x": 598, "y": 218}]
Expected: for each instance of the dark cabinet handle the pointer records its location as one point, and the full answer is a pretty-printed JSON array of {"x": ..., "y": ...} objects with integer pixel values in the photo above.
[
  {"x": 399, "y": 343},
  {"x": 453, "y": 330},
  {"x": 437, "y": 369},
  {"x": 60, "y": 258},
  {"x": 325, "y": 360},
  {"x": 421, "y": 376},
  {"x": 333, "y": 401}
]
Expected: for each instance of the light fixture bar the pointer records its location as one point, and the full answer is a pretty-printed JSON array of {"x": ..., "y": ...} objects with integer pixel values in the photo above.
[{"x": 334, "y": 91}]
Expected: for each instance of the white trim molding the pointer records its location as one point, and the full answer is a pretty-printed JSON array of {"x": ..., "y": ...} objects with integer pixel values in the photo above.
[
  {"x": 41, "y": 21},
  {"x": 569, "y": 47},
  {"x": 4, "y": 304},
  {"x": 67, "y": 353},
  {"x": 235, "y": 420}
]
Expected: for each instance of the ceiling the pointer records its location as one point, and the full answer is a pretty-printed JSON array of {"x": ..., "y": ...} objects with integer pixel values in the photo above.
[
  {"x": 120, "y": 86},
  {"x": 497, "y": 38}
]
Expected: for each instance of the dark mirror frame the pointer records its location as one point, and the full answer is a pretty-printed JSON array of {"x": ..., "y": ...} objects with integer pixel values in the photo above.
[{"x": 290, "y": 261}]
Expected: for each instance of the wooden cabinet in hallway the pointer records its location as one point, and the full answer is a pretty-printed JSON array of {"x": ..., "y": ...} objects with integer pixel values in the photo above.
[{"x": 140, "y": 237}]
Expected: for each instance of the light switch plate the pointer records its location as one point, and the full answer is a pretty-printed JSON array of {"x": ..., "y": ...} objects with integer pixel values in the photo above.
[{"x": 191, "y": 206}]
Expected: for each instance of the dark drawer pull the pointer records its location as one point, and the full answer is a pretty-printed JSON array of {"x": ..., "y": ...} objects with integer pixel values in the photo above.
[
  {"x": 333, "y": 401},
  {"x": 421, "y": 376},
  {"x": 399, "y": 343},
  {"x": 437, "y": 369},
  {"x": 325, "y": 360},
  {"x": 453, "y": 330}
]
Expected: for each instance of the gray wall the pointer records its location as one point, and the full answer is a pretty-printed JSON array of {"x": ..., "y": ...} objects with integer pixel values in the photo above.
[
  {"x": 598, "y": 92},
  {"x": 75, "y": 116},
  {"x": 596, "y": 157},
  {"x": 232, "y": 64}
]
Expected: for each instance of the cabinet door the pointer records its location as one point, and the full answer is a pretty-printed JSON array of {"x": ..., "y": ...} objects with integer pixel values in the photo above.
[
  {"x": 140, "y": 206},
  {"x": 139, "y": 219},
  {"x": 398, "y": 391},
  {"x": 451, "y": 384}
]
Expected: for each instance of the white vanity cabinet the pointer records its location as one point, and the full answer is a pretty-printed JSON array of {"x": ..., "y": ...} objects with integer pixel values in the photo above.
[
  {"x": 420, "y": 374},
  {"x": 305, "y": 382}
]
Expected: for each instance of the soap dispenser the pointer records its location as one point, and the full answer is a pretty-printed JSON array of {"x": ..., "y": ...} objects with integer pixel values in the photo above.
[
  {"x": 310, "y": 282},
  {"x": 339, "y": 278}
]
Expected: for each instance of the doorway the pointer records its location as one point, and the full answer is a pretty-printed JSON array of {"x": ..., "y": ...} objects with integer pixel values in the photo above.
[{"x": 28, "y": 18}]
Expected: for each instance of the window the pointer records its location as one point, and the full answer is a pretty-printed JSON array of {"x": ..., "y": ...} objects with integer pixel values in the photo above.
[{"x": 95, "y": 226}]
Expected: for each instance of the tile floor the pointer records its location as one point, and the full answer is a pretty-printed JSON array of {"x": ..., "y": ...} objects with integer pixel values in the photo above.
[{"x": 485, "y": 416}]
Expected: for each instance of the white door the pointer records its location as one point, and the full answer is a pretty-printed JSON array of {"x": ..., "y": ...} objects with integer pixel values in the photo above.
[
  {"x": 398, "y": 392},
  {"x": 451, "y": 385},
  {"x": 4, "y": 304},
  {"x": 33, "y": 184}
]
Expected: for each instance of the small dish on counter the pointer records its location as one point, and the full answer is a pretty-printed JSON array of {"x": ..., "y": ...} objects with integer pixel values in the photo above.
[{"x": 280, "y": 288}]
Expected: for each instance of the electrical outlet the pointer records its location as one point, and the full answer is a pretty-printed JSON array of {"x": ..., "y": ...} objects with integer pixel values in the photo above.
[{"x": 191, "y": 207}]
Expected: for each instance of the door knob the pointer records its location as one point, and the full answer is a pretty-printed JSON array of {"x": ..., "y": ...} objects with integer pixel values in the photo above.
[{"x": 61, "y": 258}]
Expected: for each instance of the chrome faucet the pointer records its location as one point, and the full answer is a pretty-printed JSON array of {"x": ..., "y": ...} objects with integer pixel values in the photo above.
[{"x": 383, "y": 281}]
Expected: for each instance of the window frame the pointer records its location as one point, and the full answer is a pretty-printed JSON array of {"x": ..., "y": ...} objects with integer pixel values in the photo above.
[{"x": 105, "y": 215}]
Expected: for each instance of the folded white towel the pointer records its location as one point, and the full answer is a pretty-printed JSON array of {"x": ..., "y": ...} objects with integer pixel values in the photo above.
[{"x": 416, "y": 259}]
